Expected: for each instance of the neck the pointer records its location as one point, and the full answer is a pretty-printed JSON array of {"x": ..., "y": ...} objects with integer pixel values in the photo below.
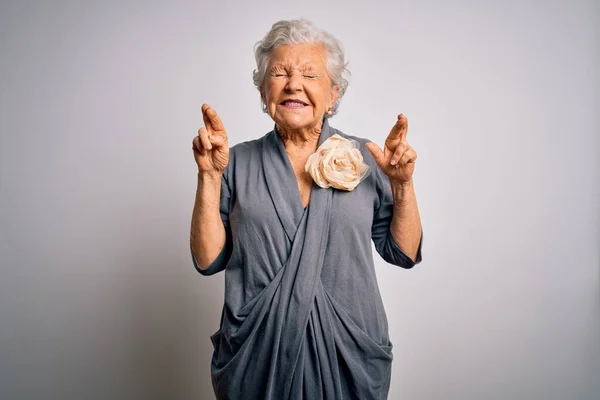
[{"x": 305, "y": 137}]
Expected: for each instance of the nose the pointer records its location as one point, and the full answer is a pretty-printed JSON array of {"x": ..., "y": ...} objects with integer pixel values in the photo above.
[{"x": 294, "y": 83}]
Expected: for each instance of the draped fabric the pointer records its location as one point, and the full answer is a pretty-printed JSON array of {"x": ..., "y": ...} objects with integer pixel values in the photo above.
[{"x": 302, "y": 316}]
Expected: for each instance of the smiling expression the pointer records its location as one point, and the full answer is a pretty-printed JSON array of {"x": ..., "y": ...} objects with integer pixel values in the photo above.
[{"x": 297, "y": 90}]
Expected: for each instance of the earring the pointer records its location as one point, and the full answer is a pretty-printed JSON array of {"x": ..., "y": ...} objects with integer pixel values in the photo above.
[{"x": 329, "y": 112}]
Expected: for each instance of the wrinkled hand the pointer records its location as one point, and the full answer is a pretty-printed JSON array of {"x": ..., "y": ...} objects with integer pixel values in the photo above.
[
  {"x": 211, "y": 149},
  {"x": 397, "y": 159}
]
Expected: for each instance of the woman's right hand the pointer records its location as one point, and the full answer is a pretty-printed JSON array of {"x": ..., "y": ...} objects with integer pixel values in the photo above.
[{"x": 211, "y": 149}]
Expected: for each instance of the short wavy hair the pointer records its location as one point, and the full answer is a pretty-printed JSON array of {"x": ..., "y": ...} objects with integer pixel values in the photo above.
[{"x": 300, "y": 32}]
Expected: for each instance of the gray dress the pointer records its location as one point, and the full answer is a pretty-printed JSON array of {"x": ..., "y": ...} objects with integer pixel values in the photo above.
[{"x": 303, "y": 317}]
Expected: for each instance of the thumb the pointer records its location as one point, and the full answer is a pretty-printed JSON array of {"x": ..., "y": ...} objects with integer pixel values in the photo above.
[{"x": 376, "y": 152}]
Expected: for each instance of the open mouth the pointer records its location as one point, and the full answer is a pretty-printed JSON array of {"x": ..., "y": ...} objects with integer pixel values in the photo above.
[{"x": 293, "y": 103}]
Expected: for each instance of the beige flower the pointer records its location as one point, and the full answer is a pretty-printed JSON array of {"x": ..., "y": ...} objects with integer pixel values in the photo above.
[{"x": 337, "y": 163}]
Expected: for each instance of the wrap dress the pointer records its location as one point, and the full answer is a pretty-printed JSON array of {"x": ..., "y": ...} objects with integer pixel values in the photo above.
[{"x": 302, "y": 316}]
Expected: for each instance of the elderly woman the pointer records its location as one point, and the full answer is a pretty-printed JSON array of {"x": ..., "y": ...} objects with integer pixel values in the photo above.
[{"x": 290, "y": 218}]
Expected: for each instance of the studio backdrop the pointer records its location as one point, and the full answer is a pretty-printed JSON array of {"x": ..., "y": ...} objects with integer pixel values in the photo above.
[{"x": 100, "y": 101}]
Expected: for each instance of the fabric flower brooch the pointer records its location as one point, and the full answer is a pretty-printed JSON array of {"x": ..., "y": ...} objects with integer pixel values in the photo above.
[{"x": 337, "y": 163}]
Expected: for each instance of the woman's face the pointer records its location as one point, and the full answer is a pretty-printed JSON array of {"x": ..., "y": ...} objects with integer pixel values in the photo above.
[{"x": 297, "y": 89}]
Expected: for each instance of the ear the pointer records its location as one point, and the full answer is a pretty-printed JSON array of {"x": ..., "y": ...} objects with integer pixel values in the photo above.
[
  {"x": 262, "y": 98},
  {"x": 335, "y": 92}
]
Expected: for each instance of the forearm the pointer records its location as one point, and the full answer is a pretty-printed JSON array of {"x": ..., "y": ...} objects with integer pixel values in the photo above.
[
  {"x": 406, "y": 222},
  {"x": 207, "y": 234}
]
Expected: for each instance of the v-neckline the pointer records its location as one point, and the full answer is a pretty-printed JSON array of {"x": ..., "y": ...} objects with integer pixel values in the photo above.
[
  {"x": 283, "y": 185},
  {"x": 290, "y": 168}
]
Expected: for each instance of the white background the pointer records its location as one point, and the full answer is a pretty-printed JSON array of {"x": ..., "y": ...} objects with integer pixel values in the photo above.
[{"x": 99, "y": 106}]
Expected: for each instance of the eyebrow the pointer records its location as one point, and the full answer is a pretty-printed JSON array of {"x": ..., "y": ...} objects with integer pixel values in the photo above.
[{"x": 304, "y": 67}]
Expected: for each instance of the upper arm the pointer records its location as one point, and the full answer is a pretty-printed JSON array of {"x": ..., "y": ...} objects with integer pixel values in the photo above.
[
  {"x": 382, "y": 237},
  {"x": 225, "y": 205}
]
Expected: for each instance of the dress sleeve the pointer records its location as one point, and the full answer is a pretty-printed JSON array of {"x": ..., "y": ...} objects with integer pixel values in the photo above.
[
  {"x": 385, "y": 244},
  {"x": 222, "y": 259}
]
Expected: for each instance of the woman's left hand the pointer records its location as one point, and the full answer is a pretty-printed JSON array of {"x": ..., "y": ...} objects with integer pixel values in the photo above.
[{"x": 397, "y": 159}]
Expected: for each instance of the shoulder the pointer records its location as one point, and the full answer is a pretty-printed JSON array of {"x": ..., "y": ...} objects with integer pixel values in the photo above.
[
  {"x": 247, "y": 149},
  {"x": 242, "y": 148},
  {"x": 359, "y": 139},
  {"x": 377, "y": 176},
  {"x": 368, "y": 157},
  {"x": 244, "y": 158}
]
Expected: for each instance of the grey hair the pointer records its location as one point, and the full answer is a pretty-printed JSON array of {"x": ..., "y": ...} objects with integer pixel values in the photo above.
[{"x": 300, "y": 32}]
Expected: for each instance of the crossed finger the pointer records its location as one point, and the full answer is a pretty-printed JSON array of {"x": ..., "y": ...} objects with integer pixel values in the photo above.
[
  {"x": 400, "y": 128},
  {"x": 211, "y": 119},
  {"x": 204, "y": 138},
  {"x": 399, "y": 153},
  {"x": 213, "y": 134},
  {"x": 410, "y": 156}
]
